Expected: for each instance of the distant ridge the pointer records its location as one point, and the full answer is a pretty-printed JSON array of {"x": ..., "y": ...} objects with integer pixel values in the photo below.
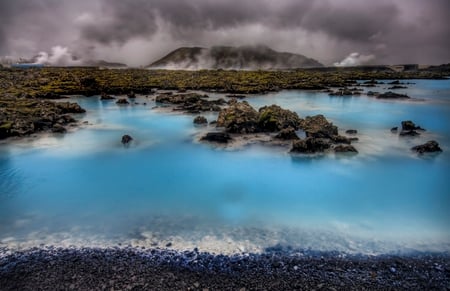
[{"x": 225, "y": 57}]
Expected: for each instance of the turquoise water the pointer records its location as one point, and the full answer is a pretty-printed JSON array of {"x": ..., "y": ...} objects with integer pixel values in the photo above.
[{"x": 86, "y": 188}]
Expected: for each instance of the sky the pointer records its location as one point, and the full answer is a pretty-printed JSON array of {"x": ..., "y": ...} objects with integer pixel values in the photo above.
[{"x": 138, "y": 32}]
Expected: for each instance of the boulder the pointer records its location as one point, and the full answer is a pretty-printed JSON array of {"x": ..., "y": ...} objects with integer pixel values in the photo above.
[
  {"x": 428, "y": 147},
  {"x": 351, "y": 131},
  {"x": 318, "y": 126},
  {"x": 274, "y": 118},
  {"x": 122, "y": 101},
  {"x": 239, "y": 118},
  {"x": 126, "y": 139},
  {"x": 409, "y": 125},
  {"x": 287, "y": 134},
  {"x": 345, "y": 149},
  {"x": 218, "y": 137},
  {"x": 200, "y": 120},
  {"x": 310, "y": 145},
  {"x": 392, "y": 95}
]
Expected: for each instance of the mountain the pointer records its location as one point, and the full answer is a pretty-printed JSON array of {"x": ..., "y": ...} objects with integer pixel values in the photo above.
[{"x": 225, "y": 57}]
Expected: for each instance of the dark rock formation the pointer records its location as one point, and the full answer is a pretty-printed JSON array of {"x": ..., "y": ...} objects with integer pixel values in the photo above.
[
  {"x": 372, "y": 93},
  {"x": 351, "y": 131},
  {"x": 122, "y": 101},
  {"x": 340, "y": 139},
  {"x": 200, "y": 120},
  {"x": 105, "y": 96},
  {"x": 345, "y": 149},
  {"x": 218, "y": 137},
  {"x": 21, "y": 117},
  {"x": 239, "y": 118},
  {"x": 287, "y": 134},
  {"x": 318, "y": 126},
  {"x": 397, "y": 87},
  {"x": 409, "y": 125},
  {"x": 274, "y": 118},
  {"x": 190, "y": 102},
  {"x": 428, "y": 147},
  {"x": 310, "y": 145},
  {"x": 392, "y": 95},
  {"x": 394, "y": 129},
  {"x": 126, "y": 139}
]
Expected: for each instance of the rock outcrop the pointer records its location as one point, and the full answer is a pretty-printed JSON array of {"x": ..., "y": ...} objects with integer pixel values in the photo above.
[
  {"x": 239, "y": 118},
  {"x": 190, "y": 102},
  {"x": 428, "y": 147},
  {"x": 21, "y": 117},
  {"x": 287, "y": 134},
  {"x": 310, "y": 145},
  {"x": 273, "y": 118},
  {"x": 200, "y": 120},
  {"x": 217, "y": 137},
  {"x": 318, "y": 126},
  {"x": 126, "y": 139}
]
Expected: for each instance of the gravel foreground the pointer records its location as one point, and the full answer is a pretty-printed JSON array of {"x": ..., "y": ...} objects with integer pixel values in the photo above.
[{"x": 157, "y": 269}]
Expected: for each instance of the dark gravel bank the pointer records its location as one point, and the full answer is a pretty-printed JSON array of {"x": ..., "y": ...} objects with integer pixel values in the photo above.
[{"x": 136, "y": 269}]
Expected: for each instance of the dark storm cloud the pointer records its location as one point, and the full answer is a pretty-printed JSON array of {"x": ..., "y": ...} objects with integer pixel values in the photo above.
[{"x": 390, "y": 31}]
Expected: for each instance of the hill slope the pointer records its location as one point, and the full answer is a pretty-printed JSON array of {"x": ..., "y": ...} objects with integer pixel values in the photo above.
[{"x": 224, "y": 57}]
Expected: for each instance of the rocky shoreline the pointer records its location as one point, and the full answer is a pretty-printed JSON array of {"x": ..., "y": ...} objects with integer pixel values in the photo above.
[{"x": 277, "y": 268}]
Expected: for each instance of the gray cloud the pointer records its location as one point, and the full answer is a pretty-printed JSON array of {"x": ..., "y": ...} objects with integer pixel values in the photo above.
[{"x": 138, "y": 31}]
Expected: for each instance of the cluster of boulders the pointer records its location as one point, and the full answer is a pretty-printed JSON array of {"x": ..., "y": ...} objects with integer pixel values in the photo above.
[
  {"x": 190, "y": 102},
  {"x": 409, "y": 128},
  {"x": 21, "y": 117},
  {"x": 241, "y": 118}
]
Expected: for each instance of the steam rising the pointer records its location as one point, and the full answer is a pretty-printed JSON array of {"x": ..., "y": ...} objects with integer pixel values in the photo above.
[
  {"x": 355, "y": 59},
  {"x": 59, "y": 56}
]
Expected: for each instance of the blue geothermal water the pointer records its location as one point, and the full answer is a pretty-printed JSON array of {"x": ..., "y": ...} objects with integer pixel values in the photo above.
[{"x": 85, "y": 186}]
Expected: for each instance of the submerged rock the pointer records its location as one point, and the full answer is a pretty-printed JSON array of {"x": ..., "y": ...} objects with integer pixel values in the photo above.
[
  {"x": 126, "y": 139},
  {"x": 318, "y": 126},
  {"x": 287, "y": 134},
  {"x": 200, "y": 120},
  {"x": 122, "y": 101},
  {"x": 394, "y": 129},
  {"x": 392, "y": 95},
  {"x": 345, "y": 149},
  {"x": 105, "y": 96},
  {"x": 428, "y": 147},
  {"x": 351, "y": 131},
  {"x": 218, "y": 137},
  {"x": 310, "y": 145}
]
